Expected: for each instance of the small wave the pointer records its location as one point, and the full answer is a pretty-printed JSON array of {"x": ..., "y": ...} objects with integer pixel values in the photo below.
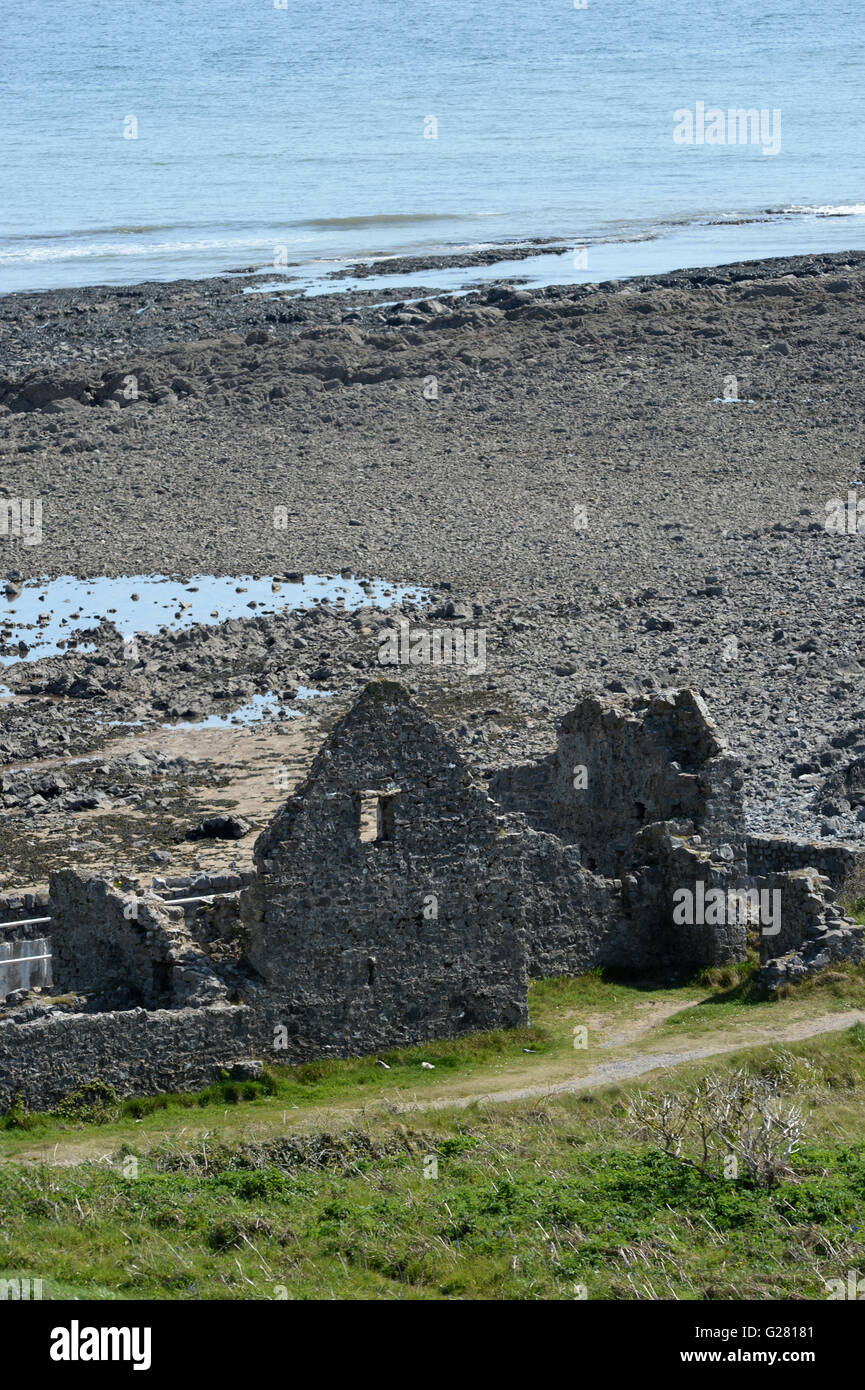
[
  {"x": 95, "y": 231},
  {"x": 93, "y": 250},
  {"x": 78, "y": 246},
  {"x": 391, "y": 219},
  {"x": 831, "y": 209}
]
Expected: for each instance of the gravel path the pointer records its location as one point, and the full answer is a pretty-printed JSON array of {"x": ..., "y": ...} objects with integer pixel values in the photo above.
[{"x": 628, "y": 1068}]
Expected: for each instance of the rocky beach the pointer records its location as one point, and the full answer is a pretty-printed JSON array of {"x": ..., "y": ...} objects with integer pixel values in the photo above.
[{"x": 624, "y": 486}]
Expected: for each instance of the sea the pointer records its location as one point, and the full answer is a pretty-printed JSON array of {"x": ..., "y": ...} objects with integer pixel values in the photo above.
[{"x": 186, "y": 138}]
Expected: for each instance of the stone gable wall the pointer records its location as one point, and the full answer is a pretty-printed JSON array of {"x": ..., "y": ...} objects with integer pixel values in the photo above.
[{"x": 365, "y": 943}]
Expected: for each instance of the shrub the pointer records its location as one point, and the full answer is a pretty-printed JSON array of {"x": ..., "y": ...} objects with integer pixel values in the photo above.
[
  {"x": 727, "y": 1121},
  {"x": 851, "y": 894},
  {"x": 17, "y": 1116},
  {"x": 94, "y": 1103}
]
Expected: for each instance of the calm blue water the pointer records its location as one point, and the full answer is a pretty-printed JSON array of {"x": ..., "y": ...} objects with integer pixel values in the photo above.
[
  {"x": 298, "y": 134},
  {"x": 47, "y": 611}
]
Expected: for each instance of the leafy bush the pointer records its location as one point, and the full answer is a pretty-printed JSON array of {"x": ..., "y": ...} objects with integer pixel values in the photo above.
[
  {"x": 94, "y": 1103},
  {"x": 17, "y": 1116}
]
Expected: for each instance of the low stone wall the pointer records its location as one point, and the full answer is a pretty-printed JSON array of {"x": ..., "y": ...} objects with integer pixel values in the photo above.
[
  {"x": 814, "y": 932},
  {"x": 139, "y": 1052},
  {"x": 777, "y": 854},
  {"x": 14, "y": 907},
  {"x": 201, "y": 883}
]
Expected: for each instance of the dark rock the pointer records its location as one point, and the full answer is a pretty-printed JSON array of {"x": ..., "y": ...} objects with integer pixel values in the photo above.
[{"x": 220, "y": 828}]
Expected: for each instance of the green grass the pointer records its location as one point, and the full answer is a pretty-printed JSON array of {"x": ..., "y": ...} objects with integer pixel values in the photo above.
[
  {"x": 304, "y": 1086},
  {"x": 247, "y": 1190},
  {"x": 555, "y": 1006},
  {"x": 841, "y": 986},
  {"x": 539, "y": 1200},
  {"x": 714, "y": 999}
]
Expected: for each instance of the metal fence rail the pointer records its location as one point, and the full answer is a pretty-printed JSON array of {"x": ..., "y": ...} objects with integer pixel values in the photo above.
[
  {"x": 168, "y": 902},
  {"x": 24, "y": 964}
]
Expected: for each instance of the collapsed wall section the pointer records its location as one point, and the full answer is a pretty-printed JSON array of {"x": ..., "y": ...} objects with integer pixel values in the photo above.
[
  {"x": 814, "y": 934},
  {"x": 125, "y": 949},
  {"x": 573, "y": 919},
  {"x": 618, "y": 768},
  {"x": 683, "y": 903}
]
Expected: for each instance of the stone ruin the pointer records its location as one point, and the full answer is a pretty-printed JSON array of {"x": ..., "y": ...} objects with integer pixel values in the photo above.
[{"x": 395, "y": 899}]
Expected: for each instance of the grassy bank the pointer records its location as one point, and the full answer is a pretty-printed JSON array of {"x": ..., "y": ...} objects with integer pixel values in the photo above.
[
  {"x": 317, "y": 1184},
  {"x": 556, "y": 1007},
  {"x": 553, "y": 1199}
]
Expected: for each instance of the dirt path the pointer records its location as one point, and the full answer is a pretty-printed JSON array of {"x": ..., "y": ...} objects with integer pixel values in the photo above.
[
  {"x": 627, "y": 1068},
  {"x": 467, "y": 1090}
]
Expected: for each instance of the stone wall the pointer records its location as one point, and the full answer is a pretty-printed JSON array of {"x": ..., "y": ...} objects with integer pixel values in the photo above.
[
  {"x": 369, "y": 935},
  {"x": 573, "y": 920},
  {"x": 681, "y": 915},
  {"x": 835, "y": 859},
  {"x": 528, "y": 788},
  {"x": 117, "y": 945},
  {"x": 815, "y": 932},
  {"x": 139, "y": 1052},
  {"x": 395, "y": 901},
  {"x": 619, "y": 768},
  {"x": 16, "y": 906},
  {"x": 804, "y": 910},
  {"x": 202, "y": 883}
]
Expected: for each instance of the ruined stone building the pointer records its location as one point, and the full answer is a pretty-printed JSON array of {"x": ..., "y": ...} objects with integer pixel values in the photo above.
[{"x": 395, "y": 899}]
